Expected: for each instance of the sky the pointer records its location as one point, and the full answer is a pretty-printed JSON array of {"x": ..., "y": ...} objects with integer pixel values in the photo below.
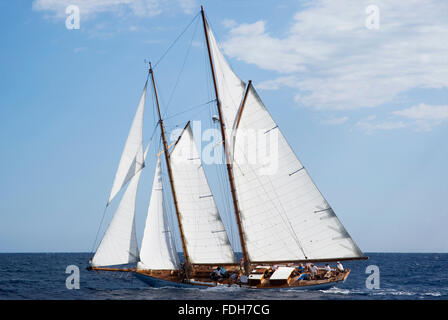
[{"x": 359, "y": 88}]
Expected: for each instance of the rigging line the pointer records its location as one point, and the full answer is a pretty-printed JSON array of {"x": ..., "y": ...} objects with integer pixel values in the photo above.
[
  {"x": 190, "y": 109},
  {"x": 153, "y": 133},
  {"x": 181, "y": 70},
  {"x": 174, "y": 42},
  {"x": 97, "y": 233}
]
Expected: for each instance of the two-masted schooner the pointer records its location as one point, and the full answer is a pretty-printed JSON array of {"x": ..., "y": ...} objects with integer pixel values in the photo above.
[{"x": 282, "y": 218}]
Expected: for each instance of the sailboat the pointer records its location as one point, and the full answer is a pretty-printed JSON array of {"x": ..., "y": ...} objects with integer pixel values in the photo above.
[{"x": 283, "y": 219}]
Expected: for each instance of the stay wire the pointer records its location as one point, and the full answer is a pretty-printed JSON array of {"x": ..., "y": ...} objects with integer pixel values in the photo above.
[
  {"x": 181, "y": 70},
  {"x": 175, "y": 41}
]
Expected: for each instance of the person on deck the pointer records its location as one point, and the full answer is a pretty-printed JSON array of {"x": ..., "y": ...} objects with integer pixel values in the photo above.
[
  {"x": 340, "y": 267},
  {"x": 268, "y": 272},
  {"x": 327, "y": 271},
  {"x": 308, "y": 266},
  {"x": 313, "y": 270},
  {"x": 216, "y": 274},
  {"x": 233, "y": 279},
  {"x": 298, "y": 270},
  {"x": 223, "y": 273},
  {"x": 303, "y": 276}
]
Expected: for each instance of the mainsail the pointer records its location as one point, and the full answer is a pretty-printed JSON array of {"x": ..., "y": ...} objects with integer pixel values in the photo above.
[
  {"x": 158, "y": 251},
  {"x": 284, "y": 215},
  {"x": 131, "y": 160},
  {"x": 204, "y": 232}
]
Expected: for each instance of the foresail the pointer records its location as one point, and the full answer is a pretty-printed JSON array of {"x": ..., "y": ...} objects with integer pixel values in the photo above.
[
  {"x": 205, "y": 236},
  {"x": 119, "y": 244},
  {"x": 284, "y": 215},
  {"x": 158, "y": 251},
  {"x": 131, "y": 160},
  {"x": 230, "y": 86}
]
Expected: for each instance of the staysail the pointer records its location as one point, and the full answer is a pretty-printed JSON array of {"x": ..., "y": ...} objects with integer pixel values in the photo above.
[
  {"x": 119, "y": 244},
  {"x": 284, "y": 215},
  {"x": 131, "y": 160},
  {"x": 205, "y": 236},
  {"x": 158, "y": 251}
]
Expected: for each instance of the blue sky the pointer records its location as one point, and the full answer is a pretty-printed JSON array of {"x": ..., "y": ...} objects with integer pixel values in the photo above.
[{"x": 365, "y": 109}]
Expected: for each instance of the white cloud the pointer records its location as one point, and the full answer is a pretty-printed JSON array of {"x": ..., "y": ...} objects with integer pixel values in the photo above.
[
  {"x": 188, "y": 6},
  {"x": 425, "y": 112},
  {"x": 334, "y": 62},
  {"x": 425, "y": 117},
  {"x": 368, "y": 126},
  {"x": 288, "y": 81},
  {"x": 422, "y": 117},
  {"x": 89, "y": 8},
  {"x": 229, "y": 23},
  {"x": 335, "y": 121}
]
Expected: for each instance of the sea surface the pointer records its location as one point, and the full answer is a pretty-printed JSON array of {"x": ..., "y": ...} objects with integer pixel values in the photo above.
[{"x": 43, "y": 276}]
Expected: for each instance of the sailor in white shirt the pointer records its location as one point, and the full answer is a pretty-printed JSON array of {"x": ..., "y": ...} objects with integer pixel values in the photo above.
[
  {"x": 313, "y": 270},
  {"x": 340, "y": 267},
  {"x": 328, "y": 271}
]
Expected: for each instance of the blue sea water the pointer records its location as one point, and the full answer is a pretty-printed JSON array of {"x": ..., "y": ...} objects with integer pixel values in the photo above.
[{"x": 43, "y": 276}]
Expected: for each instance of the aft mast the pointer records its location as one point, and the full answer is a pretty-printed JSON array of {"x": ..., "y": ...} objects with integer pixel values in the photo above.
[
  {"x": 228, "y": 164},
  {"x": 170, "y": 175}
]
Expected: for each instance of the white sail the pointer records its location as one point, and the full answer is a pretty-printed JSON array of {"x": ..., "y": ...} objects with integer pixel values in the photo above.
[
  {"x": 131, "y": 160},
  {"x": 205, "y": 236},
  {"x": 119, "y": 244},
  {"x": 230, "y": 86},
  {"x": 158, "y": 251},
  {"x": 284, "y": 216}
]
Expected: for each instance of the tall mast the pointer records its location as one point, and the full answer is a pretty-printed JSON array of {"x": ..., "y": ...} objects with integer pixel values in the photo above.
[
  {"x": 170, "y": 175},
  {"x": 229, "y": 166}
]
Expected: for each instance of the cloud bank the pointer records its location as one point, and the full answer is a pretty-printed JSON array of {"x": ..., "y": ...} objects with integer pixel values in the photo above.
[
  {"x": 333, "y": 61},
  {"x": 422, "y": 117}
]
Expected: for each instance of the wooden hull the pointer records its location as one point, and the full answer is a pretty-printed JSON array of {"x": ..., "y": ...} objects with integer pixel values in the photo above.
[
  {"x": 170, "y": 280},
  {"x": 159, "y": 283}
]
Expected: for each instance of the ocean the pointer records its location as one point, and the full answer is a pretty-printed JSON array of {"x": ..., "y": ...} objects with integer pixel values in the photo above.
[{"x": 415, "y": 276}]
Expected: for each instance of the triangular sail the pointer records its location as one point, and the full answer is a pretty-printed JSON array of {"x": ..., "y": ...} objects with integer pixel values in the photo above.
[
  {"x": 284, "y": 216},
  {"x": 204, "y": 232},
  {"x": 131, "y": 160},
  {"x": 230, "y": 86},
  {"x": 119, "y": 244},
  {"x": 158, "y": 251}
]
